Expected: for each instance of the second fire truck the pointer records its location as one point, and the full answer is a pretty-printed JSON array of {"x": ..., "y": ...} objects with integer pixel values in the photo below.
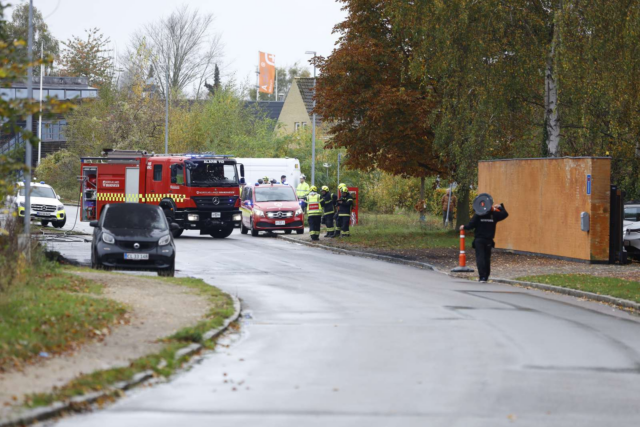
[{"x": 196, "y": 191}]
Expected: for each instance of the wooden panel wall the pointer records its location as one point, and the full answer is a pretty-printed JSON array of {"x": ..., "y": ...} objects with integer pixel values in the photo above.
[{"x": 544, "y": 198}]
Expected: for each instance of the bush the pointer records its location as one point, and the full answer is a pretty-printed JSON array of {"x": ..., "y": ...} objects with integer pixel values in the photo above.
[
  {"x": 61, "y": 170},
  {"x": 434, "y": 199},
  {"x": 15, "y": 267}
]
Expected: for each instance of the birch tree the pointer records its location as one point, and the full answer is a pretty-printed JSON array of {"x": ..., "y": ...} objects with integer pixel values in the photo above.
[{"x": 184, "y": 47}]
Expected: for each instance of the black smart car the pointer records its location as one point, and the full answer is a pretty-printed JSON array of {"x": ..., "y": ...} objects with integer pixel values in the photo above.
[{"x": 133, "y": 236}]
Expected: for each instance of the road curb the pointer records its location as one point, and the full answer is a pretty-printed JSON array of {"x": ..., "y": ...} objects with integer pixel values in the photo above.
[
  {"x": 386, "y": 258},
  {"x": 78, "y": 403},
  {"x": 621, "y": 303}
]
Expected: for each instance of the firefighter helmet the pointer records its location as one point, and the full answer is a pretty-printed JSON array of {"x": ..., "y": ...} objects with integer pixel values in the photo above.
[
  {"x": 325, "y": 188},
  {"x": 313, "y": 188}
]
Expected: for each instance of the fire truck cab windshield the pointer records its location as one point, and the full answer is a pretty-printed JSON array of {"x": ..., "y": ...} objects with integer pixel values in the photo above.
[{"x": 210, "y": 173}]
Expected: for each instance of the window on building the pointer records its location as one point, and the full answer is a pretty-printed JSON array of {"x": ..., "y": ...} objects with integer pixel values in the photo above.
[
  {"x": 296, "y": 126},
  {"x": 56, "y": 93},
  {"x": 47, "y": 131},
  {"x": 21, "y": 93},
  {"x": 89, "y": 93},
  {"x": 304, "y": 125},
  {"x": 157, "y": 172},
  {"x": 7, "y": 93},
  {"x": 73, "y": 94}
]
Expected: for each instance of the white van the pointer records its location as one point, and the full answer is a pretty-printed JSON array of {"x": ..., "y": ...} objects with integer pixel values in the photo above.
[{"x": 256, "y": 168}]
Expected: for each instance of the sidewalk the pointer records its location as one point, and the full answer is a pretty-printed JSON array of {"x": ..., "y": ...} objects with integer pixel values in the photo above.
[{"x": 503, "y": 264}]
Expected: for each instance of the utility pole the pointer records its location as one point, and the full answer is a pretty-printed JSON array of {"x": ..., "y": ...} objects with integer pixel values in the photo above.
[
  {"x": 27, "y": 181},
  {"x": 40, "y": 118},
  {"x": 339, "y": 155},
  {"x": 313, "y": 135},
  {"x": 166, "y": 114},
  {"x": 258, "y": 78}
]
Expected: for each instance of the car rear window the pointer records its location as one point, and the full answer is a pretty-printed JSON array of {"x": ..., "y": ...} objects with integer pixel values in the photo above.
[
  {"x": 275, "y": 194},
  {"x": 135, "y": 216}
]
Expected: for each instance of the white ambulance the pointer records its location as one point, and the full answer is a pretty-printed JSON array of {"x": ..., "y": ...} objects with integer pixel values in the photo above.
[{"x": 257, "y": 168}]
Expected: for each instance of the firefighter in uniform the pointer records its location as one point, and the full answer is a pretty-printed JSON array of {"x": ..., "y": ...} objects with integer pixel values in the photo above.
[
  {"x": 345, "y": 204},
  {"x": 314, "y": 213},
  {"x": 328, "y": 206},
  {"x": 485, "y": 226},
  {"x": 302, "y": 190}
]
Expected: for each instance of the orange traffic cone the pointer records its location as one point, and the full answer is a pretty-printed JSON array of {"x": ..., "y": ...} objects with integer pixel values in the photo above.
[{"x": 462, "y": 267}]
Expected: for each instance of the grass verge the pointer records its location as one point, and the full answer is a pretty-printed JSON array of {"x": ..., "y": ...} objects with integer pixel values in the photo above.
[
  {"x": 49, "y": 313},
  {"x": 618, "y": 288},
  {"x": 401, "y": 232},
  {"x": 162, "y": 363}
]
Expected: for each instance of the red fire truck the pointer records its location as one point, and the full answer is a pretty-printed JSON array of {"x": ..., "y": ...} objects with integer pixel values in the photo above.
[{"x": 196, "y": 191}]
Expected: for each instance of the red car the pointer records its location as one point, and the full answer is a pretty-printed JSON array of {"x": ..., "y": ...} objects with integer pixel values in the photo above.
[{"x": 271, "y": 207}]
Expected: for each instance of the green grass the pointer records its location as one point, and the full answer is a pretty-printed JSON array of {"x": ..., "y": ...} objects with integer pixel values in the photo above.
[
  {"x": 401, "y": 231},
  {"x": 162, "y": 363},
  {"x": 51, "y": 313},
  {"x": 618, "y": 288}
]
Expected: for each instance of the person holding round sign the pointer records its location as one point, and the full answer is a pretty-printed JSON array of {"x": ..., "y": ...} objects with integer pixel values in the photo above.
[{"x": 487, "y": 215}]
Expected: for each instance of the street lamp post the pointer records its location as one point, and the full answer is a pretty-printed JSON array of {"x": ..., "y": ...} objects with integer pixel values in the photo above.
[
  {"x": 313, "y": 121},
  {"x": 27, "y": 181}
]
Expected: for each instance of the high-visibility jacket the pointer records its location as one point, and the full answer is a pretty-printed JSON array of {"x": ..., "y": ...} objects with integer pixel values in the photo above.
[
  {"x": 345, "y": 204},
  {"x": 302, "y": 190},
  {"x": 328, "y": 203},
  {"x": 313, "y": 204}
]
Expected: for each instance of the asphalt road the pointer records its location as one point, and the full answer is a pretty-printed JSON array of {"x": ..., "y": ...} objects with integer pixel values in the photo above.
[{"x": 335, "y": 340}]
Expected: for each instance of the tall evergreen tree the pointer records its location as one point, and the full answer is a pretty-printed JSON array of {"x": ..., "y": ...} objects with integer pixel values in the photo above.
[{"x": 18, "y": 28}]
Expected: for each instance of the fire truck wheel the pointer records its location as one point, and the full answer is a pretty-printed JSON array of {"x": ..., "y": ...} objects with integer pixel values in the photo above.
[
  {"x": 254, "y": 232},
  {"x": 222, "y": 233},
  {"x": 301, "y": 231},
  {"x": 177, "y": 233},
  {"x": 44, "y": 223},
  {"x": 243, "y": 229},
  {"x": 287, "y": 231},
  {"x": 168, "y": 272}
]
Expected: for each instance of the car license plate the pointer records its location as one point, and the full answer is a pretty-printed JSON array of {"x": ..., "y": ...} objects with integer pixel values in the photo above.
[
  {"x": 280, "y": 222},
  {"x": 215, "y": 214},
  {"x": 41, "y": 214},
  {"x": 136, "y": 256}
]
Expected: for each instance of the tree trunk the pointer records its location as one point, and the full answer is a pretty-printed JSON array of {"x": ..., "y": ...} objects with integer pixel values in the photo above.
[
  {"x": 422, "y": 216},
  {"x": 463, "y": 217},
  {"x": 552, "y": 121}
]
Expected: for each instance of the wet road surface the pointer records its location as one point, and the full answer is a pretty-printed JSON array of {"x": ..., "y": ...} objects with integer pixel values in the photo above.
[{"x": 335, "y": 340}]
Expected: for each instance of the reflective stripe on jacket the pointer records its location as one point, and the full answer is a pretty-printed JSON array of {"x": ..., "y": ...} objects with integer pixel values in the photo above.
[
  {"x": 345, "y": 204},
  {"x": 313, "y": 204},
  {"x": 328, "y": 203},
  {"x": 302, "y": 190}
]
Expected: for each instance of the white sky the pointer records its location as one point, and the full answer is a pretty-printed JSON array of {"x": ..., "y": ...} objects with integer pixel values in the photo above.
[{"x": 287, "y": 28}]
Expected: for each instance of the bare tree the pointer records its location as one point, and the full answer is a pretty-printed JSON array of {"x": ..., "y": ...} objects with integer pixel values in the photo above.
[{"x": 183, "y": 45}]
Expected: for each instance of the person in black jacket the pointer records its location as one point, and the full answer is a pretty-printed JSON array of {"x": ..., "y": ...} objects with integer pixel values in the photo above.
[
  {"x": 485, "y": 226},
  {"x": 328, "y": 203}
]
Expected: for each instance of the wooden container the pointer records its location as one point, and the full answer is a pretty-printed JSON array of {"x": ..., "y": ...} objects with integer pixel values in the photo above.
[{"x": 545, "y": 199}]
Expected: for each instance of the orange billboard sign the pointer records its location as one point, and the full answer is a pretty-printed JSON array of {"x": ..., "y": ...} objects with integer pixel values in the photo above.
[{"x": 267, "y": 72}]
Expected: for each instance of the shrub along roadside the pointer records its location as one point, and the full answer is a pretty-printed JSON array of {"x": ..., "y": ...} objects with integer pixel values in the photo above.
[
  {"x": 617, "y": 288},
  {"x": 162, "y": 363},
  {"x": 51, "y": 312}
]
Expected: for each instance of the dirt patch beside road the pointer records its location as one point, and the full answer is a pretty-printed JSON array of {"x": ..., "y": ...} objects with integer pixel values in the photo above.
[{"x": 156, "y": 309}]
